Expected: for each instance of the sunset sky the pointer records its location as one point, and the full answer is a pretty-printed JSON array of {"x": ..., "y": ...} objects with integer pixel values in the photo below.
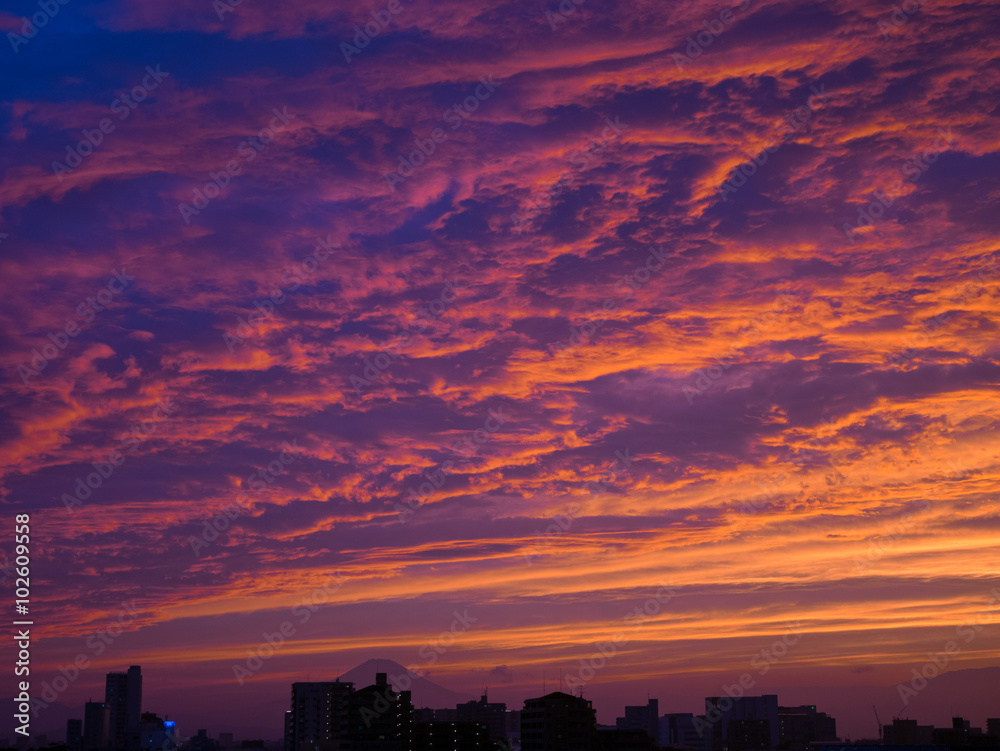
[{"x": 529, "y": 311}]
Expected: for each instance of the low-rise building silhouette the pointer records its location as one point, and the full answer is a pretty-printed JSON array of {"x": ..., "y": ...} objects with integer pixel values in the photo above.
[
  {"x": 645, "y": 718},
  {"x": 677, "y": 730},
  {"x": 558, "y": 722},
  {"x": 492, "y": 716},
  {"x": 800, "y": 726},
  {"x": 156, "y": 734},
  {"x": 740, "y": 723},
  {"x": 451, "y": 736}
]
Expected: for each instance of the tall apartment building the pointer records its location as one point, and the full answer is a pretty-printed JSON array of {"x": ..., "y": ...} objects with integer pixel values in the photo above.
[
  {"x": 96, "y": 726},
  {"x": 318, "y": 718},
  {"x": 123, "y": 697},
  {"x": 381, "y": 719},
  {"x": 74, "y": 735}
]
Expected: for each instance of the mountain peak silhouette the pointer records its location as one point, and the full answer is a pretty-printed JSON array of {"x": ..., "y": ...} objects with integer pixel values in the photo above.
[{"x": 425, "y": 693}]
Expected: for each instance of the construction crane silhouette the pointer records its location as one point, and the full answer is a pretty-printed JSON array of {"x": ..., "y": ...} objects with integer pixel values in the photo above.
[{"x": 879, "y": 723}]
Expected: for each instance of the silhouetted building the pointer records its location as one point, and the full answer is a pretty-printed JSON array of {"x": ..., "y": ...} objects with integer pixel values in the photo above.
[
  {"x": 225, "y": 740},
  {"x": 514, "y": 725},
  {"x": 749, "y": 735},
  {"x": 201, "y": 742},
  {"x": 738, "y": 724},
  {"x": 962, "y": 734},
  {"x": 993, "y": 727},
  {"x": 96, "y": 726},
  {"x": 381, "y": 719},
  {"x": 646, "y": 718},
  {"x": 74, "y": 735},
  {"x": 678, "y": 730},
  {"x": 156, "y": 734},
  {"x": 558, "y": 722},
  {"x": 907, "y": 733},
  {"x": 449, "y": 736},
  {"x": 319, "y": 717},
  {"x": 800, "y": 726},
  {"x": 492, "y": 716},
  {"x": 623, "y": 739},
  {"x": 123, "y": 696}
]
